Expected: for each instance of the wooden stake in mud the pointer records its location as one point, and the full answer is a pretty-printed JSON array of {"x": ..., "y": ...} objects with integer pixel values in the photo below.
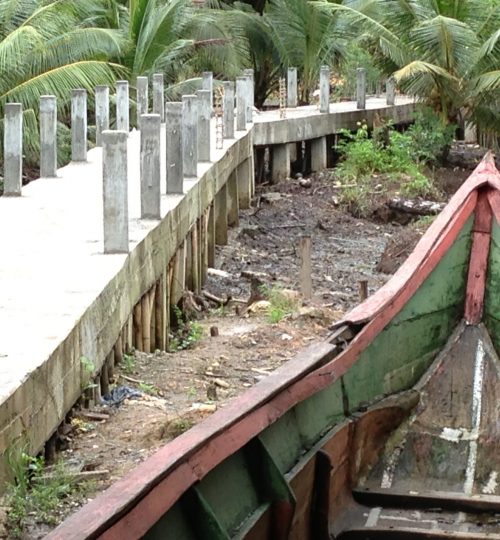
[
  {"x": 363, "y": 290},
  {"x": 110, "y": 364},
  {"x": 305, "y": 267},
  {"x": 282, "y": 97},
  {"x": 152, "y": 318}
]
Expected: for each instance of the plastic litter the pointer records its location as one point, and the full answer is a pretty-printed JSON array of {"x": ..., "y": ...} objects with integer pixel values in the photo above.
[{"x": 119, "y": 394}]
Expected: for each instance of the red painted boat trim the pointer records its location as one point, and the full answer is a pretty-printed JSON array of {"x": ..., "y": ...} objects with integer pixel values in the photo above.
[
  {"x": 141, "y": 498},
  {"x": 476, "y": 279}
]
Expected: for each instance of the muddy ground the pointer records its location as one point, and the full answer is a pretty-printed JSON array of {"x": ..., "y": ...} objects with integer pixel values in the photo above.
[{"x": 181, "y": 388}]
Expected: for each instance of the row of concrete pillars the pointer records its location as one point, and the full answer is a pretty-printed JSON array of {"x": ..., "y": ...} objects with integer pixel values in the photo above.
[
  {"x": 324, "y": 89},
  {"x": 188, "y": 142}
]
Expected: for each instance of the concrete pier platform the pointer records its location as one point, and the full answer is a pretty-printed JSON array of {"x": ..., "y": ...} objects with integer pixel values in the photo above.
[{"x": 62, "y": 299}]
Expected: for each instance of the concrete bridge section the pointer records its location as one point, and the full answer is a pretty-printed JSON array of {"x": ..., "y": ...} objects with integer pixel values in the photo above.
[{"x": 68, "y": 311}]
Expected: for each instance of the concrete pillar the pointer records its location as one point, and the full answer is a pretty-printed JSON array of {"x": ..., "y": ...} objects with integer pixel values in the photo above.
[
  {"x": 159, "y": 95},
  {"x": 221, "y": 216},
  {"x": 361, "y": 88},
  {"x": 122, "y": 106},
  {"x": 79, "y": 125},
  {"x": 291, "y": 88},
  {"x": 204, "y": 114},
  {"x": 324, "y": 89},
  {"x": 250, "y": 94},
  {"x": 150, "y": 166},
  {"x": 48, "y": 136},
  {"x": 13, "y": 149},
  {"x": 318, "y": 154},
  {"x": 280, "y": 162},
  {"x": 390, "y": 90},
  {"x": 232, "y": 200},
  {"x": 115, "y": 191},
  {"x": 174, "y": 160},
  {"x": 101, "y": 112},
  {"x": 190, "y": 135},
  {"x": 244, "y": 175},
  {"x": 142, "y": 87},
  {"x": 228, "y": 110},
  {"x": 241, "y": 105},
  {"x": 207, "y": 83}
]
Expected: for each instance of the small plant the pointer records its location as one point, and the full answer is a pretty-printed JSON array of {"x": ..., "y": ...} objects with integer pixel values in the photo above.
[
  {"x": 179, "y": 426},
  {"x": 36, "y": 491},
  {"x": 88, "y": 370},
  {"x": 128, "y": 363},
  {"x": 187, "y": 333},
  {"x": 147, "y": 388},
  {"x": 191, "y": 393},
  {"x": 281, "y": 304}
]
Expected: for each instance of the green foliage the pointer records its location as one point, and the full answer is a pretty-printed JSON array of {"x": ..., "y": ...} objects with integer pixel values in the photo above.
[
  {"x": 52, "y": 47},
  {"x": 128, "y": 363},
  {"x": 281, "y": 304},
  {"x": 187, "y": 333},
  {"x": 356, "y": 56},
  {"x": 430, "y": 138},
  {"x": 369, "y": 167},
  {"x": 37, "y": 491}
]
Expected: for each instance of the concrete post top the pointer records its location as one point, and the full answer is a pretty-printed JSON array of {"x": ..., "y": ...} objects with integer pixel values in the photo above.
[
  {"x": 142, "y": 78},
  {"x": 48, "y": 103},
  {"x": 249, "y": 72},
  {"x": 207, "y": 74},
  {"x": 241, "y": 78},
  {"x": 203, "y": 93},
  {"x": 294, "y": 69},
  {"x": 114, "y": 136},
  {"x": 79, "y": 92},
  {"x": 101, "y": 87},
  {"x": 189, "y": 97},
  {"x": 228, "y": 84},
  {"x": 121, "y": 83},
  {"x": 158, "y": 77},
  {"x": 173, "y": 107},
  {"x": 360, "y": 70},
  {"x": 151, "y": 117},
  {"x": 325, "y": 68},
  {"x": 13, "y": 107}
]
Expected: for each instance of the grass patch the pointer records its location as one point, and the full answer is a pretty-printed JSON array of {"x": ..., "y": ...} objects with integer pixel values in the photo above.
[
  {"x": 282, "y": 304},
  {"x": 37, "y": 491}
]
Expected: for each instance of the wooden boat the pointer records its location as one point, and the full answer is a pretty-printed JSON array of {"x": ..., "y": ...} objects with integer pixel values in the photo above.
[{"x": 389, "y": 429}]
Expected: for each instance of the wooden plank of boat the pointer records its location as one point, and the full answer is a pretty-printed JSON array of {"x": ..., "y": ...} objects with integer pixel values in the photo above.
[{"x": 282, "y": 460}]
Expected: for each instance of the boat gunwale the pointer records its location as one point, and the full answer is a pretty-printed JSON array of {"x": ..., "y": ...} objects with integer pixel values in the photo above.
[{"x": 121, "y": 511}]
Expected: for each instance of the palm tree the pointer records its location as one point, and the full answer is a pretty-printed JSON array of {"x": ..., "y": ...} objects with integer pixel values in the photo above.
[
  {"x": 51, "y": 48},
  {"x": 446, "y": 52},
  {"x": 179, "y": 39}
]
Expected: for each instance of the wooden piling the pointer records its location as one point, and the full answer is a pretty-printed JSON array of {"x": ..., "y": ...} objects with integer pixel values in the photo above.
[
  {"x": 195, "y": 259},
  {"x": 110, "y": 364},
  {"x": 221, "y": 237},
  {"x": 159, "y": 315},
  {"x": 118, "y": 349},
  {"x": 104, "y": 379},
  {"x": 146, "y": 321},
  {"x": 305, "y": 267},
  {"x": 363, "y": 290},
  {"x": 152, "y": 318},
  {"x": 211, "y": 236},
  {"x": 137, "y": 343}
]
